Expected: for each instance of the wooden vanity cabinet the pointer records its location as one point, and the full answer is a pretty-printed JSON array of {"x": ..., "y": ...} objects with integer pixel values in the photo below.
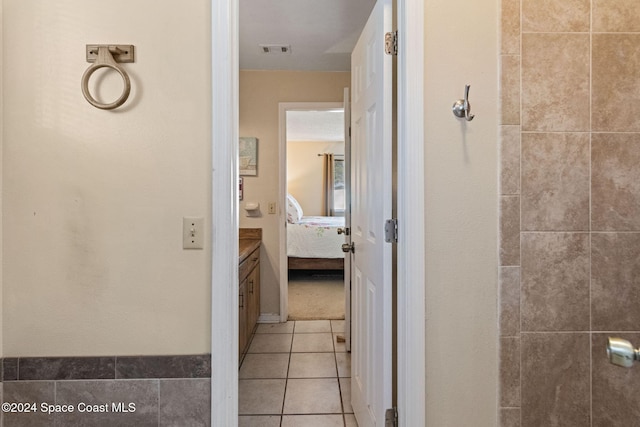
[
  {"x": 253, "y": 296},
  {"x": 249, "y": 290},
  {"x": 242, "y": 330}
]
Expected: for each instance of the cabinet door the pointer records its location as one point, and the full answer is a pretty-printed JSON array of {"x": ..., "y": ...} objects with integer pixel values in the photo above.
[
  {"x": 242, "y": 315},
  {"x": 253, "y": 290}
]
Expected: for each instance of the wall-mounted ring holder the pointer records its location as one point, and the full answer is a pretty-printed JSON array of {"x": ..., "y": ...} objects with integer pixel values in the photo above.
[{"x": 107, "y": 56}]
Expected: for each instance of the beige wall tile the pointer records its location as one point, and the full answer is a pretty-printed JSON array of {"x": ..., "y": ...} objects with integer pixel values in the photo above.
[
  {"x": 510, "y": 230},
  {"x": 555, "y": 82},
  {"x": 570, "y": 182},
  {"x": 510, "y": 40},
  {"x": 555, "y": 182},
  {"x": 510, "y": 160},
  {"x": 555, "y": 16},
  {"x": 509, "y": 372},
  {"x": 616, "y": 15},
  {"x": 615, "y": 183},
  {"x": 616, "y": 92},
  {"x": 615, "y": 281},
  {"x": 555, "y": 282},
  {"x": 509, "y": 301},
  {"x": 615, "y": 394},
  {"x": 510, "y": 90},
  {"x": 555, "y": 379}
]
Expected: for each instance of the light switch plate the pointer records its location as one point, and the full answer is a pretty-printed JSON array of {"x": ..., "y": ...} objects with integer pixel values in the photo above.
[{"x": 192, "y": 233}]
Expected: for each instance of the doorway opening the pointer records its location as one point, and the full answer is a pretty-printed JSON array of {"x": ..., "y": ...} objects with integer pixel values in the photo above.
[
  {"x": 290, "y": 364},
  {"x": 411, "y": 360},
  {"x": 312, "y": 147}
]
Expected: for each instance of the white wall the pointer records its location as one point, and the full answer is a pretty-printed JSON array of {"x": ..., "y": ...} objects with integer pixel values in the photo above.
[
  {"x": 93, "y": 199},
  {"x": 461, "y": 168}
]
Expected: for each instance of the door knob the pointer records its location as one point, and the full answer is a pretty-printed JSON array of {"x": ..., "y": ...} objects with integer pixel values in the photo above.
[{"x": 348, "y": 247}]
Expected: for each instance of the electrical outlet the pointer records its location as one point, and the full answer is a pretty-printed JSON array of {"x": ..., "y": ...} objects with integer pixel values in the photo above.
[
  {"x": 272, "y": 207},
  {"x": 192, "y": 233}
]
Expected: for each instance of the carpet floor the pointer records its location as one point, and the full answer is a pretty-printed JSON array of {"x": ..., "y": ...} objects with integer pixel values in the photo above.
[{"x": 316, "y": 295}]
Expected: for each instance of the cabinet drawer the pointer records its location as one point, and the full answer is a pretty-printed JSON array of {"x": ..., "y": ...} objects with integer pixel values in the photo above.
[{"x": 248, "y": 264}]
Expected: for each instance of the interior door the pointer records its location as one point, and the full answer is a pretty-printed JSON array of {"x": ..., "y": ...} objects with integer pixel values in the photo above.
[
  {"x": 347, "y": 218},
  {"x": 371, "y": 201}
]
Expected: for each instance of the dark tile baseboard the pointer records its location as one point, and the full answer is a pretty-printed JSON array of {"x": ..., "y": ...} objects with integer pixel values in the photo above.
[{"x": 104, "y": 368}]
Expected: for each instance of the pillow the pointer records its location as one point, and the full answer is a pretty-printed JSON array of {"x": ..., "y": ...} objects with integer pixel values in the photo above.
[{"x": 294, "y": 210}]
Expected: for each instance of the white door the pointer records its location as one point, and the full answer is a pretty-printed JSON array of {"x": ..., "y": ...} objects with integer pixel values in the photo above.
[
  {"x": 371, "y": 200},
  {"x": 347, "y": 218}
]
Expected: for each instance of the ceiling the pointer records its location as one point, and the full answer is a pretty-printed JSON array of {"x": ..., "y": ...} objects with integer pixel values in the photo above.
[
  {"x": 325, "y": 126},
  {"x": 321, "y": 33}
]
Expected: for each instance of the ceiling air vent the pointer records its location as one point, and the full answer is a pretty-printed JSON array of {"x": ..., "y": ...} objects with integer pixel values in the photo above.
[{"x": 277, "y": 49}]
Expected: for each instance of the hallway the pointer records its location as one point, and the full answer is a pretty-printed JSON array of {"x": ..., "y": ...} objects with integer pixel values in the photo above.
[{"x": 296, "y": 374}]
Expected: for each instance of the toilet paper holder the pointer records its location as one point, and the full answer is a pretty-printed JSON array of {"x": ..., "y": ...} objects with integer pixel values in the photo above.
[{"x": 252, "y": 208}]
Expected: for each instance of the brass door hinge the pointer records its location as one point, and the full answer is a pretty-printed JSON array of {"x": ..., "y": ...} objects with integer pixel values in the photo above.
[{"x": 391, "y": 43}]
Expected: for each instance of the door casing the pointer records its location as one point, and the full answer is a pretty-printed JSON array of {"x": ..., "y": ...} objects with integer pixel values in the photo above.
[{"x": 411, "y": 195}]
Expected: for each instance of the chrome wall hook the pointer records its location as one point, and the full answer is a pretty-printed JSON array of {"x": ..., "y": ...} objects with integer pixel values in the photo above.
[{"x": 462, "y": 108}]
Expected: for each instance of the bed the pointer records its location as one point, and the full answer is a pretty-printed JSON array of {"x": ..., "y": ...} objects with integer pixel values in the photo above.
[{"x": 313, "y": 242}]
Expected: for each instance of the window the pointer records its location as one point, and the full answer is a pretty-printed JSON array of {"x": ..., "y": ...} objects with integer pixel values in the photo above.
[{"x": 339, "y": 199}]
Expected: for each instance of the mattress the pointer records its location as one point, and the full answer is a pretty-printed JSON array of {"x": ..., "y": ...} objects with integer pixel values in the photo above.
[{"x": 315, "y": 237}]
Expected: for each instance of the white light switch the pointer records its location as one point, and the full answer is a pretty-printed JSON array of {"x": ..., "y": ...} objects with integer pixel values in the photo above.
[{"x": 192, "y": 233}]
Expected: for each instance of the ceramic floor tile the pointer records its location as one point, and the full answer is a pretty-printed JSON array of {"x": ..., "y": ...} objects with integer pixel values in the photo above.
[
  {"x": 312, "y": 326},
  {"x": 312, "y": 365},
  {"x": 260, "y": 397},
  {"x": 304, "y": 358},
  {"x": 264, "y": 365},
  {"x": 312, "y": 343},
  {"x": 344, "y": 364},
  {"x": 312, "y": 396},
  {"x": 275, "y": 328},
  {"x": 258, "y": 421},
  {"x": 350, "y": 420},
  {"x": 337, "y": 326},
  {"x": 345, "y": 392},
  {"x": 312, "y": 421},
  {"x": 271, "y": 343},
  {"x": 338, "y": 346}
]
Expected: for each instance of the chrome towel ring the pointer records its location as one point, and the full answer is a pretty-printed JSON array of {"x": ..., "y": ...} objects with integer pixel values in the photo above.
[{"x": 102, "y": 56}]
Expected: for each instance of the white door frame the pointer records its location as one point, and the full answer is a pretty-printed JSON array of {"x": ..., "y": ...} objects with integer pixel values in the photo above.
[
  {"x": 224, "y": 230},
  {"x": 283, "y": 107}
]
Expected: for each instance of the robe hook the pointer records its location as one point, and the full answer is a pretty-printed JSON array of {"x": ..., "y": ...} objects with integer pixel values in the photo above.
[{"x": 462, "y": 108}]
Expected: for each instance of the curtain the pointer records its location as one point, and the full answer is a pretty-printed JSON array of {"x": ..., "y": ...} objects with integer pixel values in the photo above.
[{"x": 327, "y": 184}]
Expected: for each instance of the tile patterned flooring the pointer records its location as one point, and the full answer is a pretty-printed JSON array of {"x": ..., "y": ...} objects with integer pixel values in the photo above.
[{"x": 296, "y": 374}]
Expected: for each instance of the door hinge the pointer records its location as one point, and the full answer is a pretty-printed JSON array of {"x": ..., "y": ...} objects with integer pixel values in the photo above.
[
  {"x": 391, "y": 231},
  {"x": 391, "y": 43},
  {"x": 391, "y": 417}
]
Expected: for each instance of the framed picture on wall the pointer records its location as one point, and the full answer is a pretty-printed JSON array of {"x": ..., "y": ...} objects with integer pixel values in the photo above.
[{"x": 248, "y": 156}]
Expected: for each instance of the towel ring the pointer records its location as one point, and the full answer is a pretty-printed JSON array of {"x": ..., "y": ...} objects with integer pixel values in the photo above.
[{"x": 105, "y": 60}]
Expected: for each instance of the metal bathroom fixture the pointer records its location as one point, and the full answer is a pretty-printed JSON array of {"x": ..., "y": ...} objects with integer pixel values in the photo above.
[
  {"x": 107, "y": 56},
  {"x": 462, "y": 108},
  {"x": 621, "y": 353}
]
